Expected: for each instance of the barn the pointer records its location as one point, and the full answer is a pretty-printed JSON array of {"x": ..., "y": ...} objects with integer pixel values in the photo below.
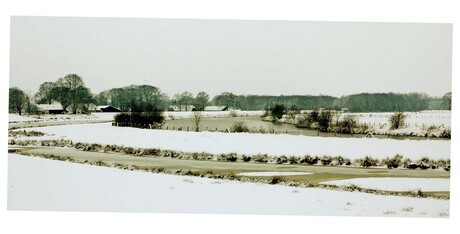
[
  {"x": 53, "y": 108},
  {"x": 182, "y": 108},
  {"x": 216, "y": 108},
  {"x": 106, "y": 108}
]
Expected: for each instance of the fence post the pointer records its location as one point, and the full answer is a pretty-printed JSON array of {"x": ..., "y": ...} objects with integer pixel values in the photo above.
[
  {"x": 187, "y": 128},
  {"x": 167, "y": 127}
]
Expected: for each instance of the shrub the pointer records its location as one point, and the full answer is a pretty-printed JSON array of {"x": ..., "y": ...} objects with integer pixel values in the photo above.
[
  {"x": 277, "y": 111},
  {"x": 293, "y": 160},
  {"x": 25, "y": 133},
  {"x": 276, "y": 180},
  {"x": 128, "y": 150},
  {"x": 93, "y": 147},
  {"x": 239, "y": 127},
  {"x": 79, "y": 145},
  {"x": 154, "y": 119},
  {"x": 122, "y": 119},
  {"x": 397, "y": 120},
  {"x": 303, "y": 121},
  {"x": 367, "y": 162},
  {"x": 230, "y": 157},
  {"x": 412, "y": 166},
  {"x": 339, "y": 160},
  {"x": 347, "y": 124},
  {"x": 393, "y": 162},
  {"x": 326, "y": 160},
  {"x": 446, "y": 133},
  {"x": 151, "y": 152},
  {"x": 307, "y": 159},
  {"x": 324, "y": 120},
  {"x": 262, "y": 158},
  {"x": 425, "y": 163},
  {"x": 171, "y": 153},
  {"x": 406, "y": 162},
  {"x": 246, "y": 158},
  {"x": 281, "y": 160},
  {"x": 447, "y": 167},
  {"x": 202, "y": 156}
]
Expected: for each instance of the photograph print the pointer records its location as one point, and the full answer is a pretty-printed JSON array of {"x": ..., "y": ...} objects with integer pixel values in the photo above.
[{"x": 256, "y": 117}]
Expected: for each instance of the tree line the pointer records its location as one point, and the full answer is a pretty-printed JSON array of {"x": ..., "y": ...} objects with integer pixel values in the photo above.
[{"x": 70, "y": 91}]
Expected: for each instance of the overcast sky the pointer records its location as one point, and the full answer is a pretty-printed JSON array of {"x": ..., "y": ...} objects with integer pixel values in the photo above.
[{"x": 243, "y": 57}]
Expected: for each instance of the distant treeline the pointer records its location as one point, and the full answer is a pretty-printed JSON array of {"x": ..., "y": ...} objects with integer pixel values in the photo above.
[
  {"x": 141, "y": 98},
  {"x": 75, "y": 97},
  {"x": 364, "y": 102},
  {"x": 255, "y": 102},
  {"x": 383, "y": 102}
]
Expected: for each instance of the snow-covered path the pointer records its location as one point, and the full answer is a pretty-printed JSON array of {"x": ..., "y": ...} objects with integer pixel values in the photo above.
[
  {"x": 41, "y": 184},
  {"x": 245, "y": 143}
]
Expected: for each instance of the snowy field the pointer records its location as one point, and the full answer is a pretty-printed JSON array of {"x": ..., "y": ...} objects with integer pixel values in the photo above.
[
  {"x": 413, "y": 119},
  {"x": 63, "y": 117},
  {"x": 397, "y": 184},
  {"x": 245, "y": 143},
  {"x": 20, "y": 118},
  {"x": 41, "y": 184},
  {"x": 109, "y": 116},
  {"x": 419, "y": 119}
]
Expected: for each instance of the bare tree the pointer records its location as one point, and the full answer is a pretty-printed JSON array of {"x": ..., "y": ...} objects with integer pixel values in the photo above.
[
  {"x": 16, "y": 100},
  {"x": 201, "y": 100},
  {"x": 29, "y": 104},
  {"x": 71, "y": 92},
  {"x": 45, "y": 93},
  {"x": 196, "y": 119},
  {"x": 447, "y": 100}
]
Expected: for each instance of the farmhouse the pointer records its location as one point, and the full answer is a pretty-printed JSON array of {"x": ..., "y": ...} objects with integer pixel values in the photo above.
[
  {"x": 182, "y": 108},
  {"x": 106, "y": 109},
  {"x": 216, "y": 108},
  {"x": 53, "y": 108}
]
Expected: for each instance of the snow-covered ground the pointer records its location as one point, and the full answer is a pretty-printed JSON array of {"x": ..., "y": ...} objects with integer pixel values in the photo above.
[
  {"x": 397, "y": 184},
  {"x": 245, "y": 143},
  {"x": 427, "y": 118},
  {"x": 109, "y": 116},
  {"x": 41, "y": 184},
  {"x": 63, "y": 117},
  {"x": 19, "y": 118},
  {"x": 273, "y": 173},
  {"x": 416, "y": 123},
  {"x": 423, "y": 123}
]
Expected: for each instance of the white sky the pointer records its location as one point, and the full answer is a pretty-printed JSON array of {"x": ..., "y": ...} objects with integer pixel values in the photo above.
[{"x": 243, "y": 57}]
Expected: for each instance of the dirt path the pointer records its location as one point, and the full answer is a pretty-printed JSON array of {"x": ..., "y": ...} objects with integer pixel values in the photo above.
[{"x": 320, "y": 173}]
